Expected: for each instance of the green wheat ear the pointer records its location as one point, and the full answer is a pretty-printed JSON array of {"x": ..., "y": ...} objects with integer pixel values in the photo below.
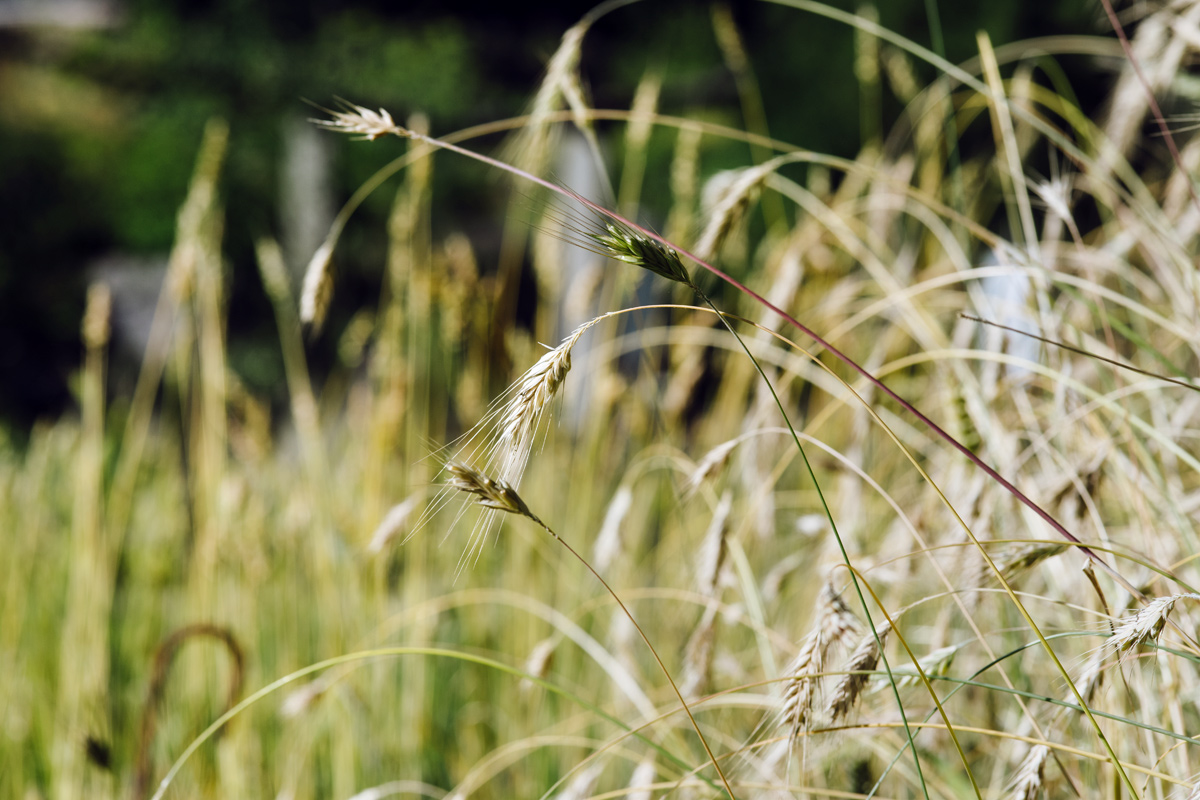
[{"x": 625, "y": 244}]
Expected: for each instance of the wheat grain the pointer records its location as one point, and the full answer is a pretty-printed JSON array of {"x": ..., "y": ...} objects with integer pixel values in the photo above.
[
  {"x": 834, "y": 623},
  {"x": 622, "y": 243},
  {"x": 1026, "y": 556},
  {"x": 317, "y": 291},
  {"x": 488, "y": 492},
  {"x": 796, "y": 712},
  {"x": 1031, "y": 775},
  {"x": 370, "y": 125},
  {"x": 863, "y": 660},
  {"x": 1146, "y": 624}
]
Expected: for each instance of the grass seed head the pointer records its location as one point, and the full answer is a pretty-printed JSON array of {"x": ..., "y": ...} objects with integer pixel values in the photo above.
[
  {"x": 1027, "y": 556},
  {"x": 1031, "y": 775},
  {"x": 864, "y": 659},
  {"x": 317, "y": 292},
  {"x": 1145, "y": 625},
  {"x": 834, "y": 624},
  {"x": 371, "y": 125},
  {"x": 488, "y": 492},
  {"x": 622, "y": 243},
  {"x": 534, "y": 391}
]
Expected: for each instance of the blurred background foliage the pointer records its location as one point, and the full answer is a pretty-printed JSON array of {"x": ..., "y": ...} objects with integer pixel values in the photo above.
[{"x": 102, "y": 116}]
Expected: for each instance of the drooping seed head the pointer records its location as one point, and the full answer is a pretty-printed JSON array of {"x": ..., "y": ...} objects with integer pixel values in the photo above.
[
  {"x": 488, "y": 492},
  {"x": 361, "y": 120},
  {"x": 863, "y": 660},
  {"x": 1031, "y": 775},
  {"x": 317, "y": 292},
  {"x": 625, "y": 244},
  {"x": 1145, "y": 625}
]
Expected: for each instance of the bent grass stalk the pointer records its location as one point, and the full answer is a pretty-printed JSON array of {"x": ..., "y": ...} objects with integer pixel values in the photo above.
[
  {"x": 395, "y": 652},
  {"x": 500, "y": 496}
]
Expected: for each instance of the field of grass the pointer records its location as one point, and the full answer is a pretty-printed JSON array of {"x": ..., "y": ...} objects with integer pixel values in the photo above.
[{"x": 316, "y": 607}]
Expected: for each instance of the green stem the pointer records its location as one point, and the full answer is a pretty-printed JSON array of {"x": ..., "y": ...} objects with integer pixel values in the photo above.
[{"x": 838, "y": 537}]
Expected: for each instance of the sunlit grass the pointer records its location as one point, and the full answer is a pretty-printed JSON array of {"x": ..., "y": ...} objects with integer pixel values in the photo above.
[{"x": 383, "y": 657}]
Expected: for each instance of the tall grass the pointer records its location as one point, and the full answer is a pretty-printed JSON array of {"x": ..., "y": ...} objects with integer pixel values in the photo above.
[{"x": 844, "y": 603}]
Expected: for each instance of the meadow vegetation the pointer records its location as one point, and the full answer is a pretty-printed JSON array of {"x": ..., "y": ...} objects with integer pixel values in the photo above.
[{"x": 844, "y": 601}]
